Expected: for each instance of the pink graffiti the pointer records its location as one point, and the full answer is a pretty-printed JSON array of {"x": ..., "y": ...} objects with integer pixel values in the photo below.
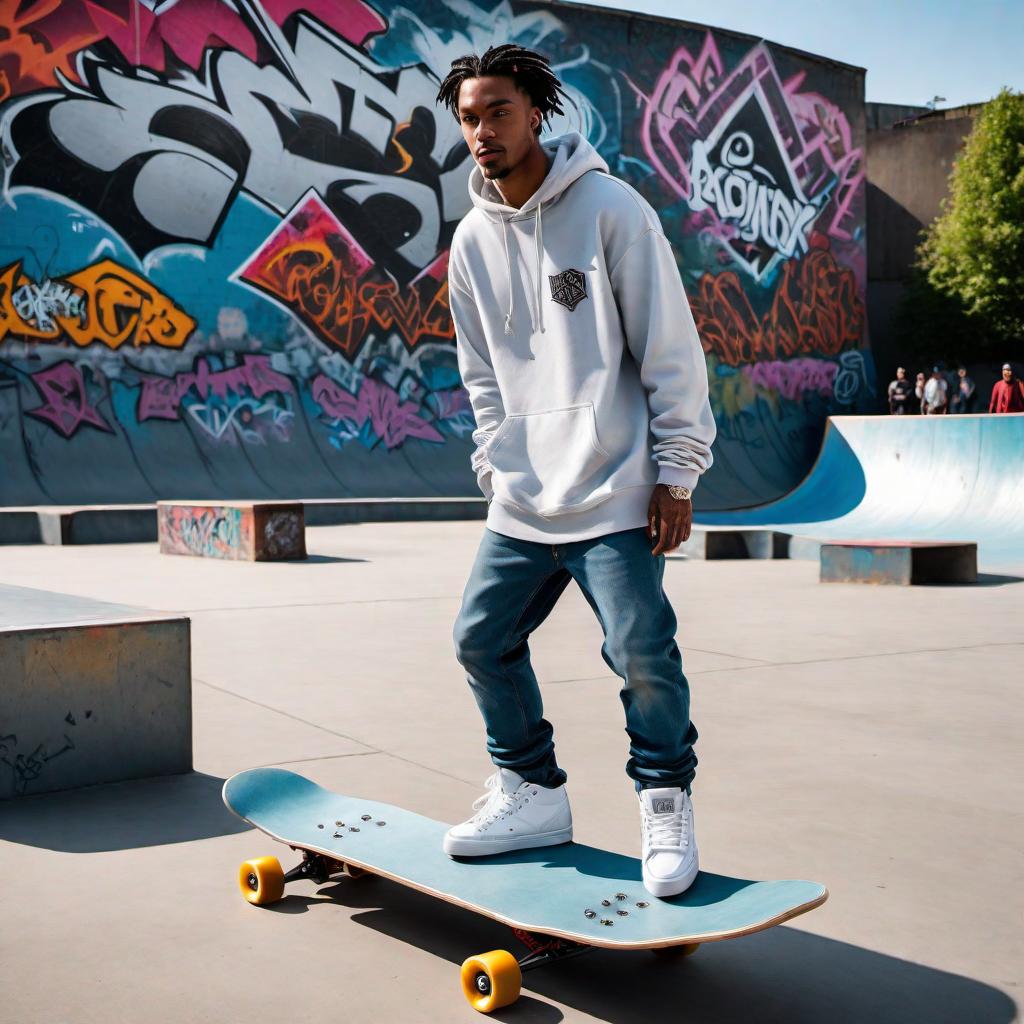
[
  {"x": 161, "y": 397},
  {"x": 451, "y": 403},
  {"x": 693, "y": 94},
  {"x": 791, "y": 378},
  {"x": 392, "y": 419},
  {"x": 67, "y": 405}
]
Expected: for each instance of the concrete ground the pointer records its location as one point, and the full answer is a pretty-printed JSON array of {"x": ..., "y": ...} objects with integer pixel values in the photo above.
[{"x": 865, "y": 737}]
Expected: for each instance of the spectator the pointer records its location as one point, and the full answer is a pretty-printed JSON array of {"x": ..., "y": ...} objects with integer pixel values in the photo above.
[
  {"x": 935, "y": 402},
  {"x": 900, "y": 392},
  {"x": 1008, "y": 393},
  {"x": 919, "y": 392},
  {"x": 965, "y": 396}
]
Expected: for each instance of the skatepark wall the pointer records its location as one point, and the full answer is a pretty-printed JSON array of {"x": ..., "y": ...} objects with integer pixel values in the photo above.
[{"x": 224, "y": 233}]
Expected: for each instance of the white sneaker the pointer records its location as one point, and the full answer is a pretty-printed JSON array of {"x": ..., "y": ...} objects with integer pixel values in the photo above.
[
  {"x": 512, "y": 815},
  {"x": 670, "y": 861}
]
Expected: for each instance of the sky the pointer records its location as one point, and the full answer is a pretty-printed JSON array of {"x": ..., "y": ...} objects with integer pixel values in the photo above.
[{"x": 914, "y": 50}]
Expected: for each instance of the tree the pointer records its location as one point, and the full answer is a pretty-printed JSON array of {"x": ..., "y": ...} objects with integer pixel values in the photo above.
[{"x": 972, "y": 255}]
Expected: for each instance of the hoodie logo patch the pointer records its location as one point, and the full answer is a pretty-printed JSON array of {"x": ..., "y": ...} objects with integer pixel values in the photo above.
[{"x": 569, "y": 288}]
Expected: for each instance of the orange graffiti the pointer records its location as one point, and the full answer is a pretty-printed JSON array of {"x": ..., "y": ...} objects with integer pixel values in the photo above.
[
  {"x": 341, "y": 298},
  {"x": 103, "y": 303},
  {"x": 816, "y": 309}
]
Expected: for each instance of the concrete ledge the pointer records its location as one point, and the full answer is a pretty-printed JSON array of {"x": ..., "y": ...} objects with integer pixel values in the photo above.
[
  {"x": 87, "y": 524},
  {"x": 252, "y": 531},
  {"x": 390, "y": 510},
  {"x": 899, "y": 562},
  {"x": 89, "y": 692},
  {"x": 709, "y": 544}
]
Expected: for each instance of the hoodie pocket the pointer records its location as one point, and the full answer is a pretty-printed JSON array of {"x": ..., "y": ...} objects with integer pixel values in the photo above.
[{"x": 549, "y": 462}]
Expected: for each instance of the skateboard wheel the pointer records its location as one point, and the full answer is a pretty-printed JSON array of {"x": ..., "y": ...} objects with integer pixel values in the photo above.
[
  {"x": 261, "y": 880},
  {"x": 491, "y": 980},
  {"x": 684, "y": 949}
]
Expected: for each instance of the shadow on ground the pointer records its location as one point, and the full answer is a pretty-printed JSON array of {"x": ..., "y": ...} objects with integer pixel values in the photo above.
[
  {"x": 121, "y": 815},
  {"x": 781, "y": 974}
]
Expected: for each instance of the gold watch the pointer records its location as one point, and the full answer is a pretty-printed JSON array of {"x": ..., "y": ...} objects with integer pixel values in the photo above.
[{"x": 680, "y": 493}]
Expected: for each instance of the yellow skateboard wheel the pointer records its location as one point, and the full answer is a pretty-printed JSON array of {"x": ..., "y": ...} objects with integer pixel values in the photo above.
[
  {"x": 261, "y": 880},
  {"x": 491, "y": 980},
  {"x": 683, "y": 949}
]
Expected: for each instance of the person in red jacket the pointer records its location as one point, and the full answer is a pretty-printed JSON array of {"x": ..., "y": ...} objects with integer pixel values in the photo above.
[{"x": 1008, "y": 393}]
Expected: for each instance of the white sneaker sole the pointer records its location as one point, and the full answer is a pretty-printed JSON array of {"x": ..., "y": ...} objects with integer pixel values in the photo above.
[
  {"x": 664, "y": 887},
  {"x": 463, "y": 846}
]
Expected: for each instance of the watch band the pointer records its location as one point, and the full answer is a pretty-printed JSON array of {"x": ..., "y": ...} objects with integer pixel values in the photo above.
[{"x": 680, "y": 493}]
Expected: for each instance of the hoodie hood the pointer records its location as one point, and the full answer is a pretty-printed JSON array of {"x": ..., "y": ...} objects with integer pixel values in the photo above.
[{"x": 571, "y": 157}]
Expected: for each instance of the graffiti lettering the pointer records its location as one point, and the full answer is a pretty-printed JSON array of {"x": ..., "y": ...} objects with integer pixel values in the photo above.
[
  {"x": 314, "y": 266},
  {"x": 761, "y": 211},
  {"x": 746, "y": 145},
  {"x": 816, "y": 309},
  {"x": 66, "y": 402},
  {"x": 102, "y": 303},
  {"x": 793, "y": 377},
  {"x": 392, "y": 419}
]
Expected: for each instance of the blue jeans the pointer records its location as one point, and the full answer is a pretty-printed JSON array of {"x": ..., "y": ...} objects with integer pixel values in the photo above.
[{"x": 512, "y": 588}]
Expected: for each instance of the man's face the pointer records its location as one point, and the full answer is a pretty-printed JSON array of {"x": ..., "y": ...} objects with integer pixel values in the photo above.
[
  {"x": 901, "y": 374},
  {"x": 961, "y": 372},
  {"x": 1007, "y": 374},
  {"x": 498, "y": 123}
]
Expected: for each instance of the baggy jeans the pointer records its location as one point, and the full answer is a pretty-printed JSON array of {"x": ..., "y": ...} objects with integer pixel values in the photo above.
[{"x": 512, "y": 588}]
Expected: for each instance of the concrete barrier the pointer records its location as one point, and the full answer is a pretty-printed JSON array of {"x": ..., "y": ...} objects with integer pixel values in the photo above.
[
  {"x": 90, "y": 692},
  {"x": 712, "y": 544},
  {"x": 240, "y": 530},
  {"x": 899, "y": 561}
]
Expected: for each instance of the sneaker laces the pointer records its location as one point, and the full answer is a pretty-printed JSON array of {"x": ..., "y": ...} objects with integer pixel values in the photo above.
[
  {"x": 495, "y": 803},
  {"x": 666, "y": 831}
]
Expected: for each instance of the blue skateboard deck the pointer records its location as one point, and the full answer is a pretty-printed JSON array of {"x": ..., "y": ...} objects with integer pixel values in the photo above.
[{"x": 572, "y": 892}]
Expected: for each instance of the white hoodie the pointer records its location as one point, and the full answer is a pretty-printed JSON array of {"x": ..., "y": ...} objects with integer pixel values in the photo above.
[{"x": 579, "y": 352}]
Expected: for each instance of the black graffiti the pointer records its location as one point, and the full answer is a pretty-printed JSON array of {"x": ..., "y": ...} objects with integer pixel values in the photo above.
[{"x": 163, "y": 160}]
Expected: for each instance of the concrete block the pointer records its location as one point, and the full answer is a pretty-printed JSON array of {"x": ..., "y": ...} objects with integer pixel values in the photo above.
[
  {"x": 898, "y": 562},
  {"x": 89, "y": 692},
  {"x": 240, "y": 530},
  {"x": 98, "y": 524},
  {"x": 729, "y": 543}
]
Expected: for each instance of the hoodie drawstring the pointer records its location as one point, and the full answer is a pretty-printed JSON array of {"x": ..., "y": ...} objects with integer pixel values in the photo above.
[
  {"x": 540, "y": 267},
  {"x": 539, "y": 248},
  {"x": 511, "y": 290}
]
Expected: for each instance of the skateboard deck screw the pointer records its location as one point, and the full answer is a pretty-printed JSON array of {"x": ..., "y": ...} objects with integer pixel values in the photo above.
[
  {"x": 338, "y": 835},
  {"x": 352, "y": 828},
  {"x": 367, "y": 817},
  {"x": 622, "y": 913},
  {"x": 620, "y": 896},
  {"x": 381, "y": 822},
  {"x": 641, "y": 905},
  {"x": 589, "y": 914},
  {"x": 606, "y": 903},
  {"x": 604, "y": 920}
]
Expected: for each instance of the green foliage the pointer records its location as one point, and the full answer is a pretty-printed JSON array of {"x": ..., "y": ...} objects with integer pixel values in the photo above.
[{"x": 972, "y": 255}]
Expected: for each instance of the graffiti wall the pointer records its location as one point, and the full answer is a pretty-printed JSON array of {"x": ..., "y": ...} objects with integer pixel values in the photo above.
[{"x": 224, "y": 231}]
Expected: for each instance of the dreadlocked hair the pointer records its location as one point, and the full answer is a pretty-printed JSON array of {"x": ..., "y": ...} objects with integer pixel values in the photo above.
[{"x": 529, "y": 70}]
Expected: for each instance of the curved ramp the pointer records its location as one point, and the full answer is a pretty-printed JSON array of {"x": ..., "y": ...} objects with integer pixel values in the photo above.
[{"x": 909, "y": 478}]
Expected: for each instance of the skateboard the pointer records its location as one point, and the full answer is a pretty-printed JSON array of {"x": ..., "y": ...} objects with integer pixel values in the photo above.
[{"x": 560, "y": 901}]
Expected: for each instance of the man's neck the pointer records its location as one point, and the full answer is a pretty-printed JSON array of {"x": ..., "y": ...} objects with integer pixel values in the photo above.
[{"x": 521, "y": 183}]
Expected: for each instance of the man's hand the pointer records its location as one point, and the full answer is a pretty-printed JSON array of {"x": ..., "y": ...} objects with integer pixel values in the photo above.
[{"x": 668, "y": 520}]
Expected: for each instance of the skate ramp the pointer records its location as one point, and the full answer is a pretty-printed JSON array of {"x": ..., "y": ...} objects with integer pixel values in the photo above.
[{"x": 909, "y": 478}]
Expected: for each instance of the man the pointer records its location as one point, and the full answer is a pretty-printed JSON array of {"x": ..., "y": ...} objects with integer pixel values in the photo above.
[
  {"x": 900, "y": 391},
  {"x": 589, "y": 389},
  {"x": 964, "y": 396},
  {"x": 1008, "y": 393},
  {"x": 934, "y": 402},
  {"x": 919, "y": 382}
]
